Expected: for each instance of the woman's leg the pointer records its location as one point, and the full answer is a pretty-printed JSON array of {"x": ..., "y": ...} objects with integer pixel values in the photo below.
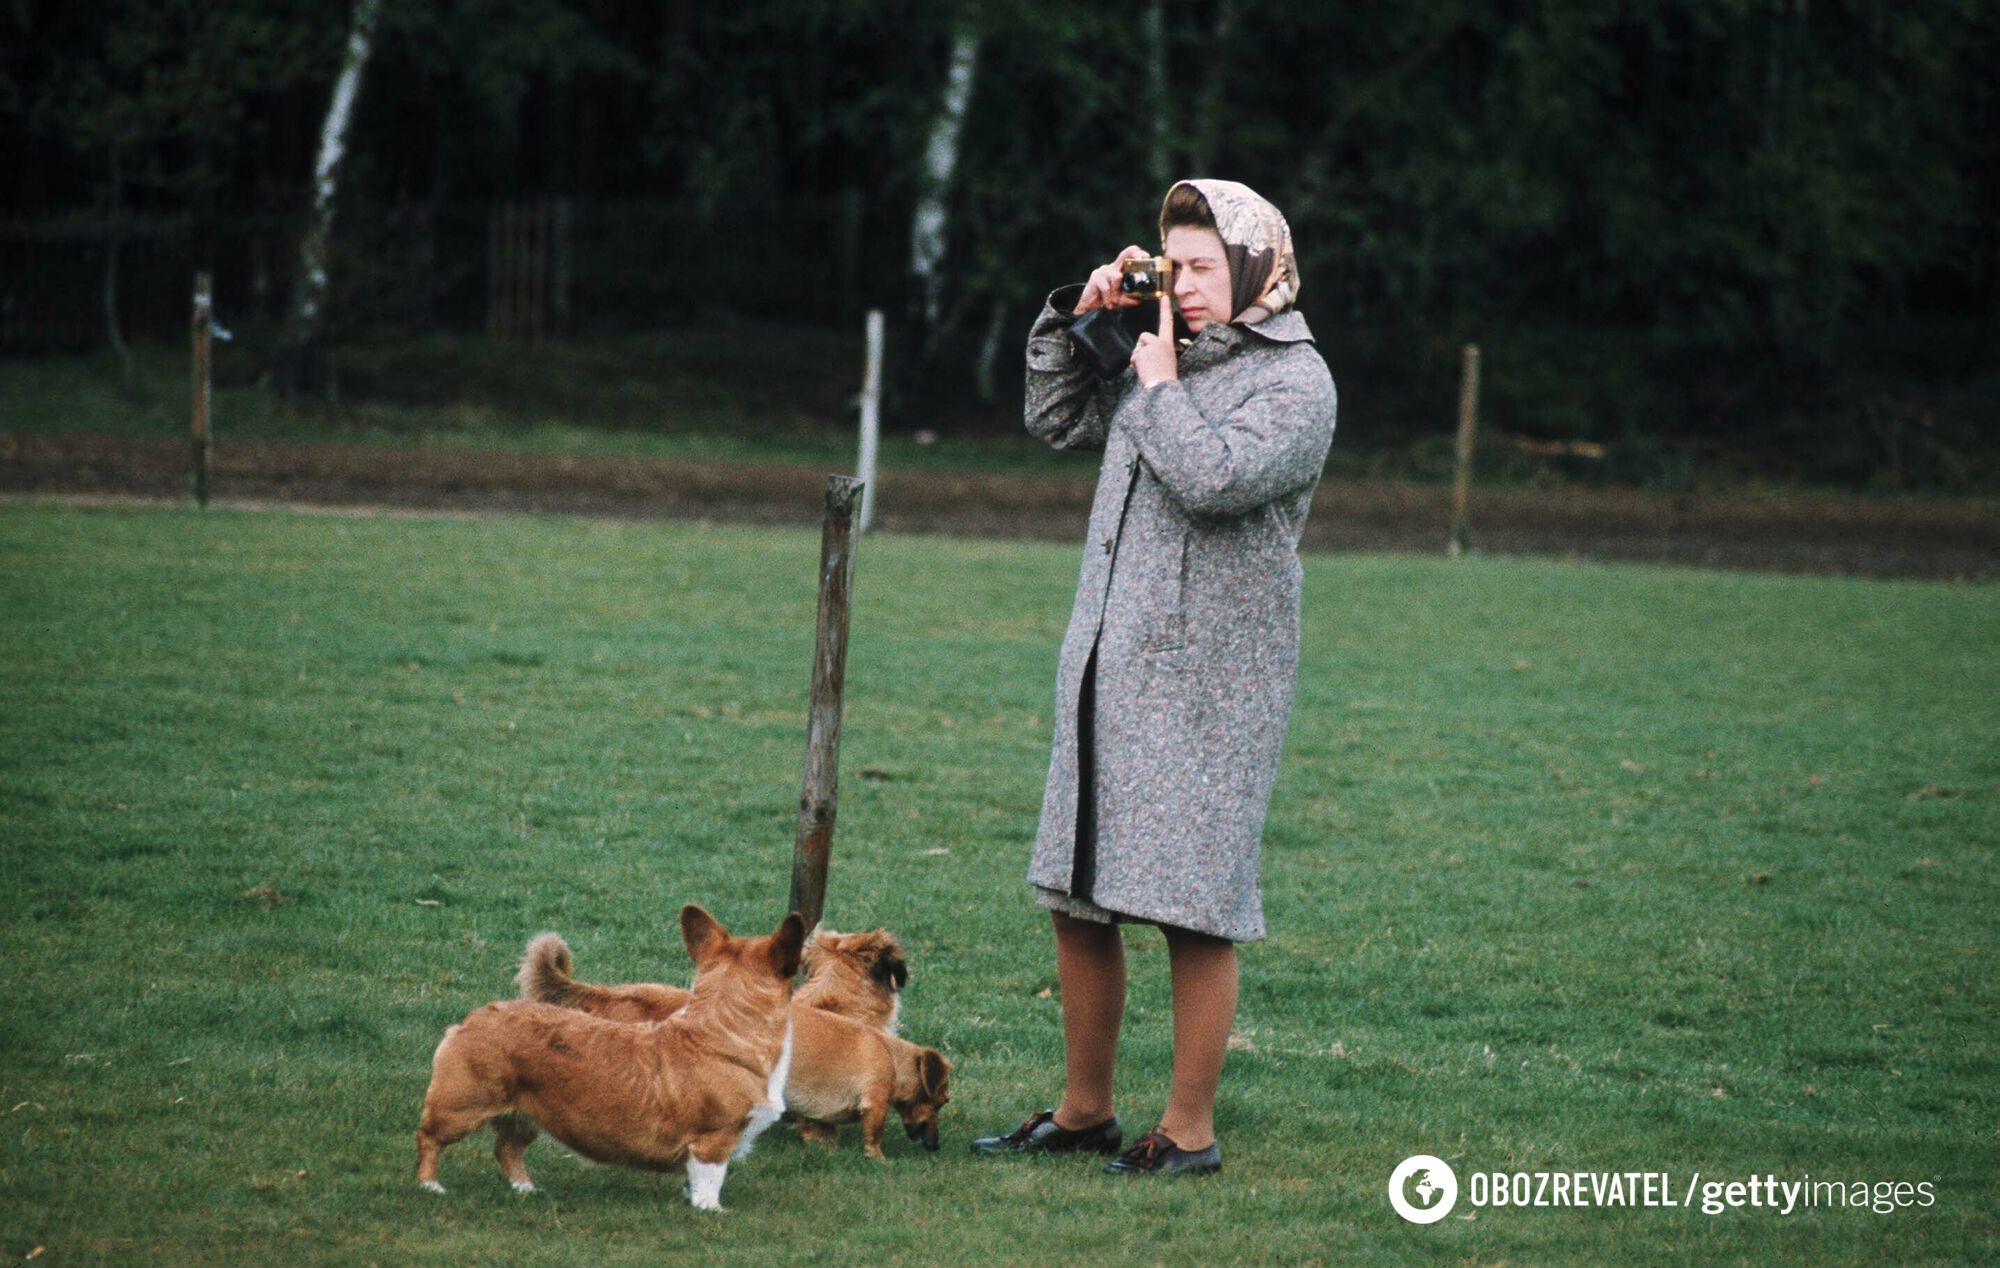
[
  {"x": 1090, "y": 966},
  {"x": 1203, "y": 969}
]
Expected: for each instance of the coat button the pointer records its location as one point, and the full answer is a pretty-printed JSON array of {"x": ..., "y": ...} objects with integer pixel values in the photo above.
[{"x": 1107, "y": 545}]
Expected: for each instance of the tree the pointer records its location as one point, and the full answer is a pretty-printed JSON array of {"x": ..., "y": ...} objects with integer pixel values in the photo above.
[
  {"x": 310, "y": 289},
  {"x": 930, "y": 223},
  {"x": 153, "y": 94}
]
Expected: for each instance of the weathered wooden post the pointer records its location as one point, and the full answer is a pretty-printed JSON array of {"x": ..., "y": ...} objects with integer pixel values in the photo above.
[
  {"x": 822, "y": 768},
  {"x": 871, "y": 416},
  {"x": 203, "y": 323},
  {"x": 1468, "y": 428}
]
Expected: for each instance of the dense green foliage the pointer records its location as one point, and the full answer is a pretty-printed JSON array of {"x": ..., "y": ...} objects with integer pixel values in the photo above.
[
  {"x": 1713, "y": 222},
  {"x": 1609, "y": 869}
]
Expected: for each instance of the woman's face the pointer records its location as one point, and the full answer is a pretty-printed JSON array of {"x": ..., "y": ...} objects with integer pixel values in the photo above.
[{"x": 1201, "y": 275}]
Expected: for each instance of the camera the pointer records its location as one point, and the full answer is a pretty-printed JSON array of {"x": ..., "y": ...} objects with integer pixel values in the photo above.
[
  {"x": 1104, "y": 337},
  {"x": 1147, "y": 279}
]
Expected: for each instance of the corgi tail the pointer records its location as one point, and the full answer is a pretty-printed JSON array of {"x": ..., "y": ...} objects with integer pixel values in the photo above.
[{"x": 545, "y": 970}]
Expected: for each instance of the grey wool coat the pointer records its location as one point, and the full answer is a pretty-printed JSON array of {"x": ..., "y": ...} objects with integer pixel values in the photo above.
[{"x": 1188, "y": 607}]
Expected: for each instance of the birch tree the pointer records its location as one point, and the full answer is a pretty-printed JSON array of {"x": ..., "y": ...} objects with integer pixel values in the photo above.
[
  {"x": 309, "y": 295},
  {"x": 930, "y": 226}
]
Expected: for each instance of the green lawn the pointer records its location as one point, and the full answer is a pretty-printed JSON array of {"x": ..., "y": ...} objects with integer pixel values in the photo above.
[{"x": 1570, "y": 868}]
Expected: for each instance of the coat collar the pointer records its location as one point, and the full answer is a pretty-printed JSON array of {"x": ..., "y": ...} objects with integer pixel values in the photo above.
[
  {"x": 1215, "y": 342},
  {"x": 1286, "y": 327}
]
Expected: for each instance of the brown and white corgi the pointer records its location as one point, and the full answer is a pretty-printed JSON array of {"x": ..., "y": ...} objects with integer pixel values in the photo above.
[
  {"x": 691, "y": 1090},
  {"x": 844, "y": 1067}
]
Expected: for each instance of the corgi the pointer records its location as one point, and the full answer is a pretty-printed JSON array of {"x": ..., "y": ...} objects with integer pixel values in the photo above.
[
  {"x": 844, "y": 1069},
  {"x": 690, "y": 1091},
  {"x": 858, "y": 975}
]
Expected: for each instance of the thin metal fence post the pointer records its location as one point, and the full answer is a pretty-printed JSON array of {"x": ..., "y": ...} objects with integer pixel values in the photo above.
[{"x": 871, "y": 416}]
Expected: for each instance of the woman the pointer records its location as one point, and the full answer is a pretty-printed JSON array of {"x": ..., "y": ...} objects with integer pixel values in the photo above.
[{"x": 1176, "y": 675}]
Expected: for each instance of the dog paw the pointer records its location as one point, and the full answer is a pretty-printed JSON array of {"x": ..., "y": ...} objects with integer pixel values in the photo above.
[
  {"x": 523, "y": 1186},
  {"x": 430, "y": 1186}
]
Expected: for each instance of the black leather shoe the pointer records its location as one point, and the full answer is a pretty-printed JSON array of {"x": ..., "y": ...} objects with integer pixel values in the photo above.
[
  {"x": 1040, "y": 1134},
  {"x": 1155, "y": 1155}
]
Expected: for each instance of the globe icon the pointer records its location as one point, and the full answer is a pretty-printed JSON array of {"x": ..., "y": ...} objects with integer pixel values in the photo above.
[
  {"x": 1423, "y": 1188},
  {"x": 1427, "y": 1190}
]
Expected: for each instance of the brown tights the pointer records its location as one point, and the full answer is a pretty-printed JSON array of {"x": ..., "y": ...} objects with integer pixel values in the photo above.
[{"x": 1090, "y": 965}]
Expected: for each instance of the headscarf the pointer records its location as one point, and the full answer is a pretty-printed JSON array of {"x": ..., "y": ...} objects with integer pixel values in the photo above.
[{"x": 1263, "y": 271}]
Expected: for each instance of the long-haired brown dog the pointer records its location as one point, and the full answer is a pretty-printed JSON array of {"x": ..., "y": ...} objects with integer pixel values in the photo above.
[
  {"x": 691, "y": 1090},
  {"x": 847, "y": 1064},
  {"x": 858, "y": 975}
]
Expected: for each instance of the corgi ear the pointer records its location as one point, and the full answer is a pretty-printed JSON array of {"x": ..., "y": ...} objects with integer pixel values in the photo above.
[
  {"x": 701, "y": 931},
  {"x": 932, "y": 1071},
  {"x": 786, "y": 944}
]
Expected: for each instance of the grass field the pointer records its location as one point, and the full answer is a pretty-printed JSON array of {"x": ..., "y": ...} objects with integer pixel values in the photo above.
[{"x": 1569, "y": 868}]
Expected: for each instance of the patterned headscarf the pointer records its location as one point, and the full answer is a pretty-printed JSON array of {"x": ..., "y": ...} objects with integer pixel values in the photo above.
[{"x": 1263, "y": 272}]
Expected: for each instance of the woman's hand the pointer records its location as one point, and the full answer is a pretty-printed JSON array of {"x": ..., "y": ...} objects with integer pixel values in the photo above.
[
  {"x": 1155, "y": 360},
  {"x": 1102, "y": 291}
]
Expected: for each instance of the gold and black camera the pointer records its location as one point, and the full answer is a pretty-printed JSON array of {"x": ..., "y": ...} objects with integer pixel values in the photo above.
[
  {"x": 1104, "y": 337},
  {"x": 1147, "y": 279}
]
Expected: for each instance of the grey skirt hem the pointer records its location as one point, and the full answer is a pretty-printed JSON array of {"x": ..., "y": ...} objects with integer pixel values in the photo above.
[
  {"x": 1084, "y": 909},
  {"x": 1081, "y": 908}
]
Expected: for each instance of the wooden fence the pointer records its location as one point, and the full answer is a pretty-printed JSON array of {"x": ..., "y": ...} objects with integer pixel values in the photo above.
[{"x": 528, "y": 269}]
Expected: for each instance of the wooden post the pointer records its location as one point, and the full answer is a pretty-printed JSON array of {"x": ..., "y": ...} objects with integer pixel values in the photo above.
[
  {"x": 203, "y": 323},
  {"x": 871, "y": 417},
  {"x": 822, "y": 768},
  {"x": 1468, "y": 429}
]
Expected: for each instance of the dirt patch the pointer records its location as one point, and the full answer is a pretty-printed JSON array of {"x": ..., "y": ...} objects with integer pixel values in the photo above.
[{"x": 1786, "y": 532}]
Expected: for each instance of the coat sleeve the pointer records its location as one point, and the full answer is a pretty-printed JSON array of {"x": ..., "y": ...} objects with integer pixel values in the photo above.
[
  {"x": 1271, "y": 444},
  {"x": 1067, "y": 405}
]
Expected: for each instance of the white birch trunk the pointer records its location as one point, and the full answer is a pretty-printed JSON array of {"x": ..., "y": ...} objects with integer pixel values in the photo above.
[
  {"x": 310, "y": 298},
  {"x": 930, "y": 226}
]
